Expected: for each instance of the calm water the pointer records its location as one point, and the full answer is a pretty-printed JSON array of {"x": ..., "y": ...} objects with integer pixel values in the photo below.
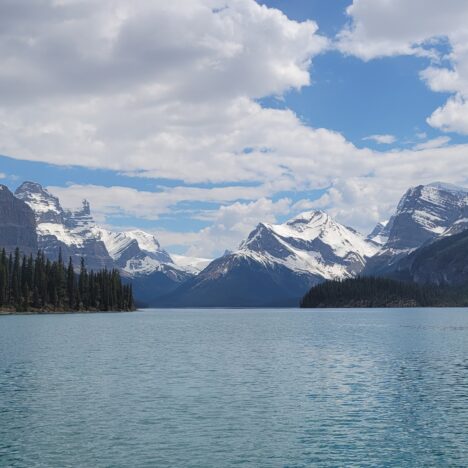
[{"x": 216, "y": 388}]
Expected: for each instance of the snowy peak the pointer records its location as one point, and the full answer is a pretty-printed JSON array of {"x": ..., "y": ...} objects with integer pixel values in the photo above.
[
  {"x": 307, "y": 228},
  {"x": 135, "y": 252},
  {"x": 146, "y": 241},
  {"x": 310, "y": 218},
  {"x": 311, "y": 242},
  {"x": 45, "y": 205},
  {"x": 117, "y": 243}
]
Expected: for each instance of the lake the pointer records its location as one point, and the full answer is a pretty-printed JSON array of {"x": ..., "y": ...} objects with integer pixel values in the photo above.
[{"x": 224, "y": 388}]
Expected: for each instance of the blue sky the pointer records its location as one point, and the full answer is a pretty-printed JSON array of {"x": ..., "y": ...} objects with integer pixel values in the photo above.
[{"x": 232, "y": 116}]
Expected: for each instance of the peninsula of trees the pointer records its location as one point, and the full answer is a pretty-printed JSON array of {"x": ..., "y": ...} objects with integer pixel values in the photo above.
[
  {"x": 37, "y": 284},
  {"x": 383, "y": 292}
]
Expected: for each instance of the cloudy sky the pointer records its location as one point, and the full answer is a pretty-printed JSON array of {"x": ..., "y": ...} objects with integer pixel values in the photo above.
[{"x": 196, "y": 119}]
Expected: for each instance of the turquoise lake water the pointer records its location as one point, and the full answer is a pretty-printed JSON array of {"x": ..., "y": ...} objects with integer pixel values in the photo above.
[{"x": 225, "y": 388}]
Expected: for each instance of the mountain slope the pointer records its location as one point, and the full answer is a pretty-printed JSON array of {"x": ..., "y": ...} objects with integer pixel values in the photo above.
[
  {"x": 277, "y": 264},
  {"x": 443, "y": 262}
]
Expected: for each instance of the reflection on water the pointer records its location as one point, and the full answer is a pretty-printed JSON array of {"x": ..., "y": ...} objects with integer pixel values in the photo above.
[{"x": 235, "y": 388}]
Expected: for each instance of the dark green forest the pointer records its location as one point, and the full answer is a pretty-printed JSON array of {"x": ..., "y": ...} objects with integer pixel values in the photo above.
[
  {"x": 39, "y": 284},
  {"x": 382, "y": 292}
]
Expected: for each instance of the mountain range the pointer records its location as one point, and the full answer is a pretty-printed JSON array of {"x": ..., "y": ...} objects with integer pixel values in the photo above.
[{"x": 274, "y": 266}]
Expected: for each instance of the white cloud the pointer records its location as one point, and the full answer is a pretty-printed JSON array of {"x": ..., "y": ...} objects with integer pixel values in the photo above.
[
  {"x": 126, "y": 201},
  {"x": 452, "y": 117},
  {"x": 162, "y": 89},
  {"x": 361, "y": 189},
  {"x": 230, "y": 224},
  {"x": 434, "y": 143},
  {"x": 380, "y": 28},
  {"x": 381, "y": 139}
]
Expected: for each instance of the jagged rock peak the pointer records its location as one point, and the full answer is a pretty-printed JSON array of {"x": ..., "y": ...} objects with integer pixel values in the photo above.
[{"x": 46, "y": 206}]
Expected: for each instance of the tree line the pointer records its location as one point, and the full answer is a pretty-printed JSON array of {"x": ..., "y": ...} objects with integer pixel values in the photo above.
[{"x": 30, "y": 283}]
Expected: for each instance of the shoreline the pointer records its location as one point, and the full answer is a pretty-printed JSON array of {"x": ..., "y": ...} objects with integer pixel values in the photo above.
[{"x": 62, "y": 312}]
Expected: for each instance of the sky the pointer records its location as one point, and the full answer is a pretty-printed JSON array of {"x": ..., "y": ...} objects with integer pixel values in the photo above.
[{"x": 198, "y": 119}]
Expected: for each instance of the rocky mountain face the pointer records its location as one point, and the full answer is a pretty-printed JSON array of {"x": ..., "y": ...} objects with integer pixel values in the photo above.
[
  {"x": 424, "y": 214},
  {"x": 59, "y": 230},
  {"x": 276, "y": 264},
  {"x": 17, "y": 224}
]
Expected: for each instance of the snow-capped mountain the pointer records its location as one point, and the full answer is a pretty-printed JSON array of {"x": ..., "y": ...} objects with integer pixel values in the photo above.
[
  {"x": 311, "y": 242},
  {"x": 65, "y": 231},
  {"x": 424, "y": 214},
  {"x": 276, "y": 264}
]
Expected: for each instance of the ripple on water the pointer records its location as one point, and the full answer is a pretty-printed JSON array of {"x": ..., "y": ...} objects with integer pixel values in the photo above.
[{"x": 235, "y": 388}]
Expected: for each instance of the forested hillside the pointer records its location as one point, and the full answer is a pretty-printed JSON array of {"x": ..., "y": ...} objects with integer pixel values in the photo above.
[
  {"x": 382, "y": 292},
  {"x": 38, "y": 284}
]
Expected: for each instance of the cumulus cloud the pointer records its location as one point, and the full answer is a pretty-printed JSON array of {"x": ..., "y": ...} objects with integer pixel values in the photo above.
[
  {"x": 382, "y": 28},
  {"x": 159, "y": 89},
  {"x": 359, "y": 193},
  {"x": 451, "y": 117},
  {"x": 230, "y": 224},
  {"x": 130, "y": 202},
  {"x": 381, "y": 139}
]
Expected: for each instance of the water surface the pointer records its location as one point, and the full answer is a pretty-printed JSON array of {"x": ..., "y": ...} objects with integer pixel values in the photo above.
[{"x": 223, "y": 388}]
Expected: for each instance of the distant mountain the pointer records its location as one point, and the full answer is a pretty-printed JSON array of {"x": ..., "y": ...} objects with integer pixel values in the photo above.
[
  {"x": 424, "y": 214},
  {"x": 17, "y": 224},
  {"x": 277, "y": 264}
]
